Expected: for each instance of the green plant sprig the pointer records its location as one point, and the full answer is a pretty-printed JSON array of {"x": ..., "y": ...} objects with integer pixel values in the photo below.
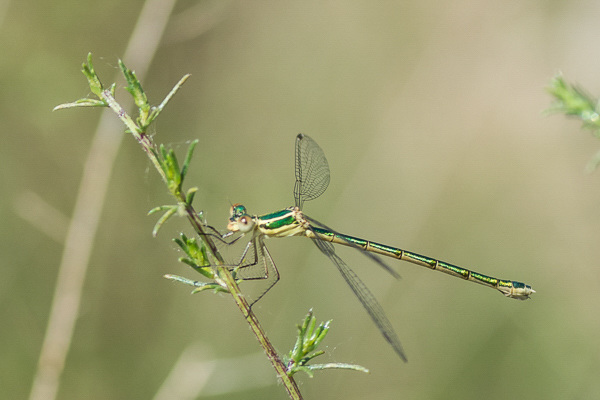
[
  {"x": 307, "y": 341},
  {"x": 573, "y": 101},
  {"x": 165, "y": 162}
]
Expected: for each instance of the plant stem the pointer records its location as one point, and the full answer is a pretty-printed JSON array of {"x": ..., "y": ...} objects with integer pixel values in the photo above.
[
  {"x": 288, "y": 382},
  {"x": 223, "y": 272}
]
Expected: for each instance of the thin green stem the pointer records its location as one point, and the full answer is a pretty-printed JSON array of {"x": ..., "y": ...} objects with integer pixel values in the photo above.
[
  {"x": 288, "y": 382},
  {"x": 223, "y": 272},
  {"x": 141, "y": 137},
  {"x": 194, "y": 219}
]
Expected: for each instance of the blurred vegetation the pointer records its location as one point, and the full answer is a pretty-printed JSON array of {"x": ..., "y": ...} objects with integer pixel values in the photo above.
[
  {"x": 575, "y": 102},
  {"x": 431, "y": 118}
]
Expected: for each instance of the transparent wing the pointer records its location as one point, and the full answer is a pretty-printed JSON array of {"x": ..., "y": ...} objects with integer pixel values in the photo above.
[
  {"x": 372, "y": 256},
  {"x": 312, "y": 170},
  {"x": 364, "y": 295}
]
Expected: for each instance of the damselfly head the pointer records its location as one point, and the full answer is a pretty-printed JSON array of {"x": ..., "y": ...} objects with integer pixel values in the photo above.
[
  {"x": 239, "y": 220},
  {"x": 236, "y": 211}
]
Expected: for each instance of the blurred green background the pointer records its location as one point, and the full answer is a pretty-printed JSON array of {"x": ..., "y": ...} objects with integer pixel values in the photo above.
[{"x": 431, "y": 116}]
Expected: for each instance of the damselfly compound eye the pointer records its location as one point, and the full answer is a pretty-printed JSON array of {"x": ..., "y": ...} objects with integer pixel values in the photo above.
[{"x": 245, "y": 223}]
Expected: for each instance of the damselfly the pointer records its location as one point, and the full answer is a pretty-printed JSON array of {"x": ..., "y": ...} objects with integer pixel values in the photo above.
[{"x": 312, "y": 178}]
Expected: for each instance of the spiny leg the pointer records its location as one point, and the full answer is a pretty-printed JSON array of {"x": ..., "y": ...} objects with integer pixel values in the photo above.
[
  {"x": 254, "y": 253},
  {"x": 270, "y": 269},
  {"x": 227, "y": 238},
  {"x": 260, "y": 256}
]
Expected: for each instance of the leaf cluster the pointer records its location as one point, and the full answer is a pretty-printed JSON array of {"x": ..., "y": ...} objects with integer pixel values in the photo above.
[{"x": 309, "y": 338}]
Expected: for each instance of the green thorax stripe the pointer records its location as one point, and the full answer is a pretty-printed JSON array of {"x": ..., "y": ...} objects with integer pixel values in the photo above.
[{"x": 276, "y": 220}]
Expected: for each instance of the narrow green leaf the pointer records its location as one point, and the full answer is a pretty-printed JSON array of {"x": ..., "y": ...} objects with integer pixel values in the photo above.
[
  {"x": 135, "y": 88},
  {"x": 170, "y": 212},
  {"x": 81, "y": 103},
  {"x": 160, "y": 208},
  {"x": 157, "y": 110},
  {"x": 352, "y": 367},
  {"x": 189, "y": 197},
  {"x": 174, "y": 165},
  {"x": 188, "y": 159},
  {"x": 93, "y": 80}
]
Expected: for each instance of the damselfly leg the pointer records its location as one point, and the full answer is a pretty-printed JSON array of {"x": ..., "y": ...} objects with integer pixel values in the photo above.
[{"x": 255, "y": 262}]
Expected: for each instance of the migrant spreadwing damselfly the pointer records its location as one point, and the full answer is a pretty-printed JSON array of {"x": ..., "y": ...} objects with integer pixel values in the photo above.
[{"x": 312, "y": 179}]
